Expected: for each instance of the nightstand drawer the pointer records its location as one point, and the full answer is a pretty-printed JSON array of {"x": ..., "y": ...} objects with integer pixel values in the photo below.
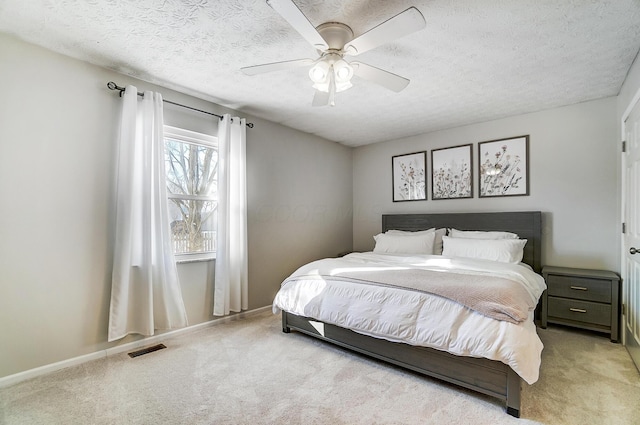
[
  {"x": 580, "y": 311},
  {"x": 579, "y": 288}
]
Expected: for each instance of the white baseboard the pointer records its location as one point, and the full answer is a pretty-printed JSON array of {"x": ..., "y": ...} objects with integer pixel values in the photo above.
[
  {"x": 52, "y": 367},
  {"x": 130, "y": 346}
]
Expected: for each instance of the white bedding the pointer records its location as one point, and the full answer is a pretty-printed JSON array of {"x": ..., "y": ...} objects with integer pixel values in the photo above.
[{"x": 413, "y": 317}]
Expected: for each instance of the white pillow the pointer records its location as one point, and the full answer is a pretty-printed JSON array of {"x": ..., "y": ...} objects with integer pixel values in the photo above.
[
  {"x": 404, "y": 244},
  {"x": 502, "y": 250},
  {"x": 475, "y": 234},
  {"x": 437, "y": 243}
]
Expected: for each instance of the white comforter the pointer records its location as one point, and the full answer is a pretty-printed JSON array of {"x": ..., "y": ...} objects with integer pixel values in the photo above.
[{"x": 413, "y": 317}]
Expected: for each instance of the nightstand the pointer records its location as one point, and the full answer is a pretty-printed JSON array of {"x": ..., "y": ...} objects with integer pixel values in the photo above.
[{"x": 582, "y": 298}]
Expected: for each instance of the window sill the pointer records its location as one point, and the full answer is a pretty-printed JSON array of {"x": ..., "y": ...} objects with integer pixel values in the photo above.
[{"x": 194, "y": 258}]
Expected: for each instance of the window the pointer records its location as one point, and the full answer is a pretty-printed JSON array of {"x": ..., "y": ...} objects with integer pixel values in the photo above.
[{"x": 191, "y": 162}]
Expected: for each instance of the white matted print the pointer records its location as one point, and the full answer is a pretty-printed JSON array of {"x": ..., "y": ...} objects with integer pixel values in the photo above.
[
  {"x": 504, "y": 167},
  {"x": 409, "y": 177},
  {"x": 452, "y": 172}
]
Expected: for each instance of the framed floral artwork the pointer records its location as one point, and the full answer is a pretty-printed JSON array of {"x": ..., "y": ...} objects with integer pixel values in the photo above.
[
  {"x": 452, "y": 172},
  {"x": 504, "y": 167},
  {"x": 408, "y": 173}
]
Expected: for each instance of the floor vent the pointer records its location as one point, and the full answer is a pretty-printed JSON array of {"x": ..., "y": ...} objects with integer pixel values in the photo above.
[{"x": 146, "y": 350}]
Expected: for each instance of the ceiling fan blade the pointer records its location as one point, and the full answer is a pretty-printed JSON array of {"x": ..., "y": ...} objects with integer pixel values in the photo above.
[
  {"x": 275, "y": 66},
  {"x": 404, "y": 23},
  {"x": 379, "y": 76},
  {"x": 321, "y": 98},
  {"x": 290, "y": 12}
]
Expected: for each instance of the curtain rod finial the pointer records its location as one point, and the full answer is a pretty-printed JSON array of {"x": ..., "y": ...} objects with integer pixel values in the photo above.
[{"x": 113, "y": 86}]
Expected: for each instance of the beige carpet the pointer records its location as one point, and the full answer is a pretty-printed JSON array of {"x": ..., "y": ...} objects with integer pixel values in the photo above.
[{"x": 249, "y": 372}]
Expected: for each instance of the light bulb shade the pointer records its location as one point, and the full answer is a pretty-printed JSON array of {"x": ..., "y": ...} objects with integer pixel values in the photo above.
[
  {"x": 324, "y": 87},
  {"x": 343, "y": 71},
  {"x": 342, "y": 86},
  {"x": 319, "y": 72}
]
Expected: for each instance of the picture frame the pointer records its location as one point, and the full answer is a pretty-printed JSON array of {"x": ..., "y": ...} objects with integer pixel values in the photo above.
[
  {"x": 452, "y": 172},
  {"x": 408, "y": 175},
  {"x": 503, "y": 167}
]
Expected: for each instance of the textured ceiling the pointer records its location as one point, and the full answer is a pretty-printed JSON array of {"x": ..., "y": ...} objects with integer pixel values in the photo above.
[{"x": 475, "y": 61}]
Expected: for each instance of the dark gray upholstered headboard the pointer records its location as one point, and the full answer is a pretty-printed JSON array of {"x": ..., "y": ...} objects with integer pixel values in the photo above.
[{"x": 527, "y": 225}]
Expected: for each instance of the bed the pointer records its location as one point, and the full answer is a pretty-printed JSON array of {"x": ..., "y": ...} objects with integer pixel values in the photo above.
[{"x": 467, "y": 369}]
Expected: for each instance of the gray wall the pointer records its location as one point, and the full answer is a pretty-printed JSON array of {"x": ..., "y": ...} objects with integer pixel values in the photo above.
[
  {"x": 57, "y": 133},
  {"x": 573, "y": 180},
  {"x": 300, "y": 198}
]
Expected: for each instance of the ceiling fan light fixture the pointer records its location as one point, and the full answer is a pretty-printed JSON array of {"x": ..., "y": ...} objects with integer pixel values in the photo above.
[
  {"x": 339, "y": 85},
  {"x": 329, "y": 69},
  {"x": 319, "y": 73},
  {"x": 343, "y": 86},
  {"x": 343, "y": 71},
  {"x": 323, "y": 87}
]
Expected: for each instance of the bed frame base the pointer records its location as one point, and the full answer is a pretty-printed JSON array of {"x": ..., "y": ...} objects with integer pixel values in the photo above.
[{"x": 489, "y": 377}]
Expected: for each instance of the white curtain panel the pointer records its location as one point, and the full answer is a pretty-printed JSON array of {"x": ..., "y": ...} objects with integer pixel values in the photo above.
[
  {"x": 145, "y": 292},
  {"x": 231, "y": 281}
]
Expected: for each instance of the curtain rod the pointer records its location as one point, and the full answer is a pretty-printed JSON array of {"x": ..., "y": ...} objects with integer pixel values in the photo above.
[{"x": 113, "y": 86}]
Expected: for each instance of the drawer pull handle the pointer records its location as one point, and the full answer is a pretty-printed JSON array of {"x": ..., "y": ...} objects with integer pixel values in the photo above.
[
  {"x": 577, "y": 310},
  {"x": 579, "y": 288}
]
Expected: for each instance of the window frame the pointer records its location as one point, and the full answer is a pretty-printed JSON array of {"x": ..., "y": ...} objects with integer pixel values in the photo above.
[{"x": 199, "y": 139}]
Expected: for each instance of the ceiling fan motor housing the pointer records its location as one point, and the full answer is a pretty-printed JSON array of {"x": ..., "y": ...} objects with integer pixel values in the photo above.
[{"x": 335, "y": 34}]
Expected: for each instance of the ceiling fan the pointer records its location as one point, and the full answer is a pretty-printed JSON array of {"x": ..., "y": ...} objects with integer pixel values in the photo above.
[{"x": 331, "y": 73}]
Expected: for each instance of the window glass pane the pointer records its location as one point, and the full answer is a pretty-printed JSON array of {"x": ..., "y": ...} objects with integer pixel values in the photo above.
[
  {"x": 191, "y": 169},
  {"x": 193, "y": 225}
]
